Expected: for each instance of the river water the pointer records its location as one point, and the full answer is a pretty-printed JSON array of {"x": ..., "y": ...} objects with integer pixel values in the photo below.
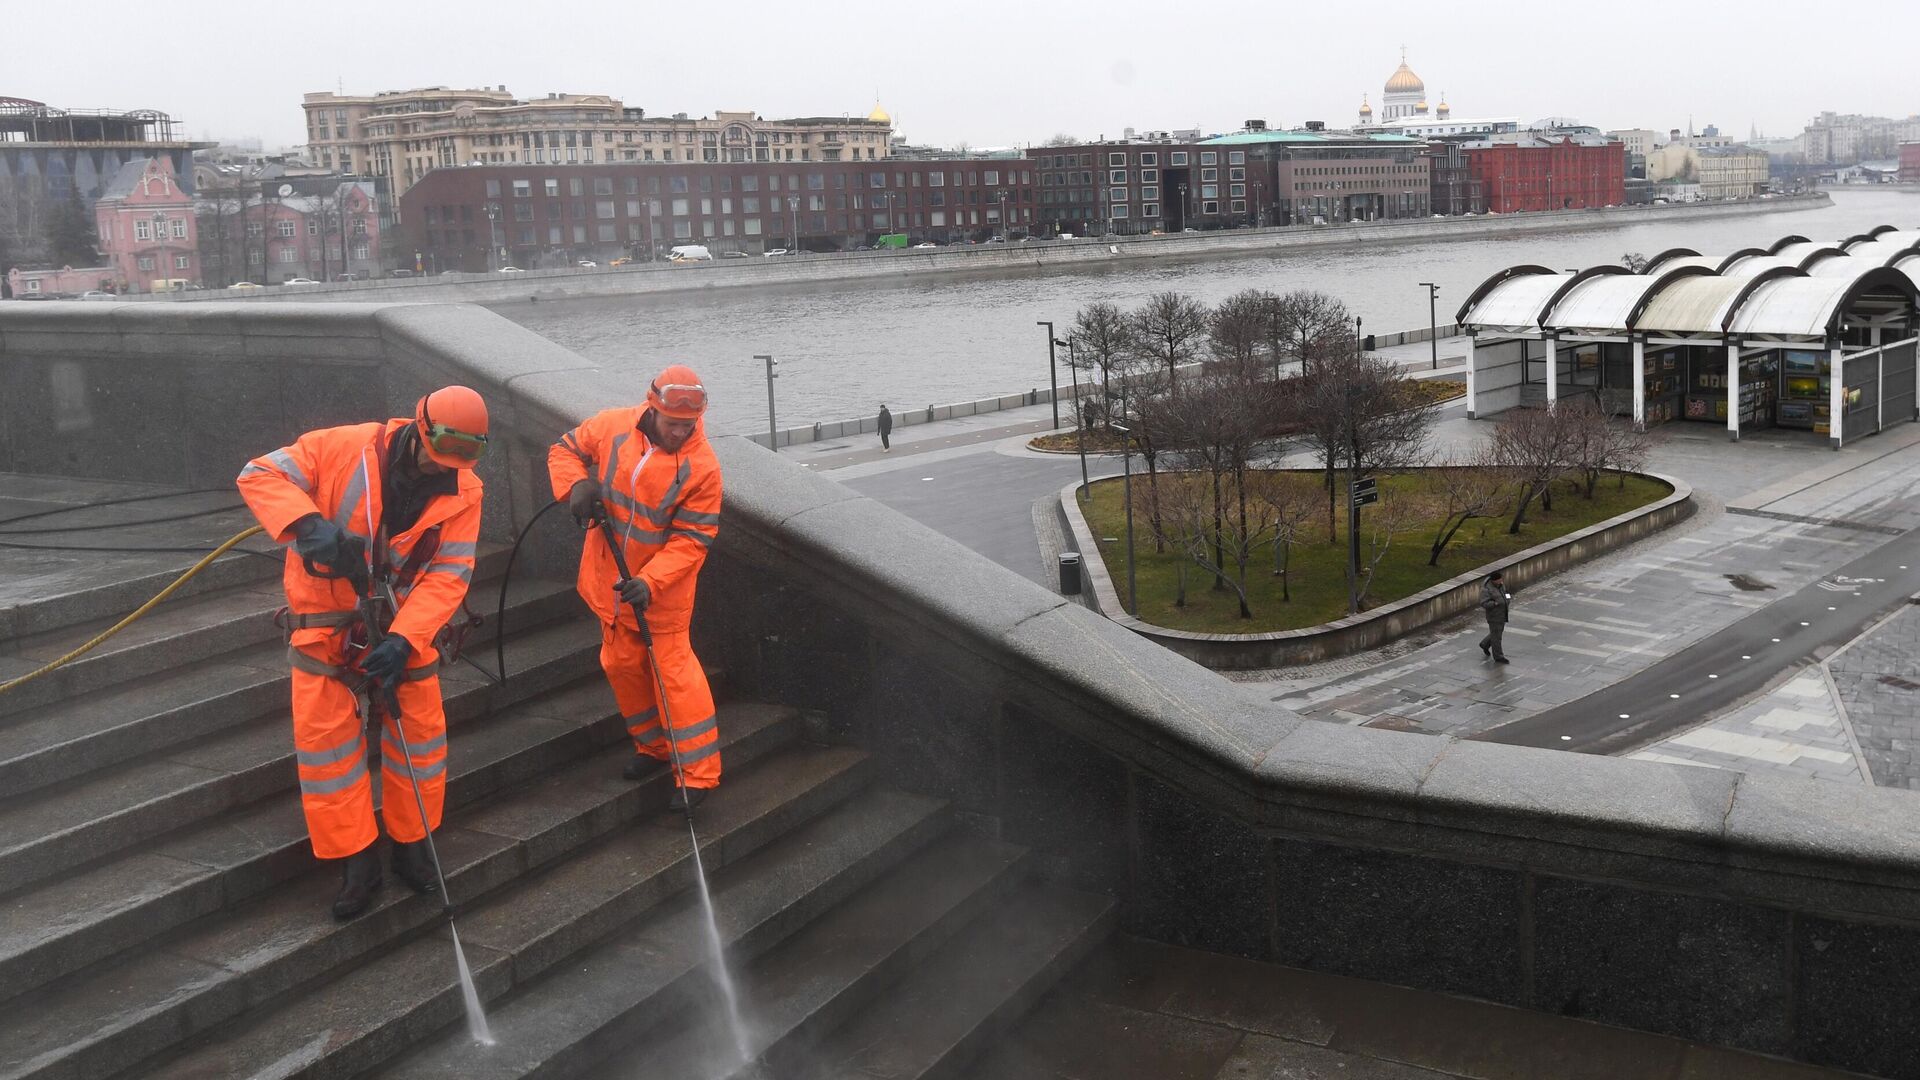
[{"x": 846, "y": 346}]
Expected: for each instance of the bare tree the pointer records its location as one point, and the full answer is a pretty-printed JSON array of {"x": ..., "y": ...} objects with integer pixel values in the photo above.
[
  {"x": 1538, "y": 446},
  {"x": 1634, "y": 262},
  {"x": 1382, "y": 522},
  {"x": 1286, "y": 500},
  {"x": 1359, "y": 412},
  {"x": 1307, "y": 324},
  {"x": 1599, "y": 445},
  {"x": 1239, "y": 327},
  {"x": 1170, "y": 327},
  {"x": 1210, "y": 423},
  {"x": 1193, "y": 525},
  {"x": 1061, "y": 139},
  {"x": 1102, "y": 341},
  {"x": 1477, "y": 485}
]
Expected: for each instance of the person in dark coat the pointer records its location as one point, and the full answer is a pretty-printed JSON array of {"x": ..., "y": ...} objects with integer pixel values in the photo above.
[
  {"x": 1495, "y": 601},
  {"x": 885, "y": 424}
]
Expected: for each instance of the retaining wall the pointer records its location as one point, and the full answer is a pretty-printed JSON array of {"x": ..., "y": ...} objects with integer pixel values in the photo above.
[
  {"x": 1370, "y": 629},
  {"x": 1766, "y": 912},
  {"x": 1038, "y": 255}
]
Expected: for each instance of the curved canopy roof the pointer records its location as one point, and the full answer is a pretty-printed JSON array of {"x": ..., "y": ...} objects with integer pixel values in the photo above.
[
  {"x": 1512, "y": 298},
  {"x": 1811, "y": 307},
  {"x": 1698, "y": 304},
  {"x": 1607, "y": 304}
]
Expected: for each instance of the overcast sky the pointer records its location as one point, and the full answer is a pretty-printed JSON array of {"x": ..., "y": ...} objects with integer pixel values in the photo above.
[{"x": 989, "y": 74}]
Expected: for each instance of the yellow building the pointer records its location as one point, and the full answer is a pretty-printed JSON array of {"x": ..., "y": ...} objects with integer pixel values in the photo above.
[
  {"x": 401, "y": 134},
  {"x": 1723, "y": 172}
]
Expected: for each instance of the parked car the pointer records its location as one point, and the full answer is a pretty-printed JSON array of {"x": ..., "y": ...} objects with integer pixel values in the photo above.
[
  {"x": 771, "y": 252},
  {"x": 511, "y": 270},
  {"x": 684, "y": 253},
  {"x": 927, "y": 244},
  {"x": 587, "y": 264},
  {"x": 620, "y": 262},
  {"x": 96, "y": 294},
  {"x": 243, "y": 285},
  {"x": 733, "y": 254},
  {"x": 451, "y": 273},
  {"x": 349, "y": 276},
  {"x": 299, "y": 281},
  {"x": 400, "y": 273}
]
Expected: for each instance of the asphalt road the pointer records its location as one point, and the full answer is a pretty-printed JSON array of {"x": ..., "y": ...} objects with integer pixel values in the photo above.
[
  {"x": 982, "y": 500},
  {"x": 1725, "y": 668}
]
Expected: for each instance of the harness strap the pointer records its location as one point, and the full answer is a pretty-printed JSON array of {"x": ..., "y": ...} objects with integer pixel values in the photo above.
[
  {"x": 302, "y": 661},
  {"x": 325, "y": 619}
]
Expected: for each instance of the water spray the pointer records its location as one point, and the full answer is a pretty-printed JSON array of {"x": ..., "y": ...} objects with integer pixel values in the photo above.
[{"x": 721, "y": 975}]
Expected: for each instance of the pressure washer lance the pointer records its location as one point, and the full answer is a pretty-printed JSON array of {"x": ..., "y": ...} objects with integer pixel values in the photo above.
[
  {"x": 385, "y": 698},
  {"x": 646, "y": 639}
]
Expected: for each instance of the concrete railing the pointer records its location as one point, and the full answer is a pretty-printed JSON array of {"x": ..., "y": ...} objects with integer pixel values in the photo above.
[
  {"x": 1759, "y": 911},
  {"x": 759, "y": 271},
  {"x": 1388, "y": 622}
]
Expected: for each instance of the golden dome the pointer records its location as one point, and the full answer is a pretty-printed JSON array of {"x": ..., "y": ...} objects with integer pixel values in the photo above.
[
  {"x": 1365, "y": 109},
  {"x": 879, "y": 115},
  {"x": 1404, "y": 81},
  {"x": 1444, "y": 107}
]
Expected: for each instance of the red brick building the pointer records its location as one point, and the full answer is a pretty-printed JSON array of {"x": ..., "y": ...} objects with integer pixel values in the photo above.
[
  {"x": 533, "y": 215},
  {"x": 1909, "y": 163},
  {"x": 1553, "y": 172}
]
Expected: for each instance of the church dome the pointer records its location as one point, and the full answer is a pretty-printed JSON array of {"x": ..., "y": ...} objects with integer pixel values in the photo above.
[
  {"x": 1404, "y": 81},
  {"x": 879, "y": 115},
  {"x": 1444, "y": 107},
  {"x": 1365, "y": 109}
]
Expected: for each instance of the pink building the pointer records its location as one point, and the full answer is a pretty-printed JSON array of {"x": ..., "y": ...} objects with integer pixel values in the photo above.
[
  {"x": 147, "y": 229},
  {"x": 323, "y": 236},
  {"x": 66, "y": 281}
]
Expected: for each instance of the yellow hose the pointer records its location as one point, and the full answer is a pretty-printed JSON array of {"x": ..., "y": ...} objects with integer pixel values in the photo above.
[{"x": 129, "y": 620}]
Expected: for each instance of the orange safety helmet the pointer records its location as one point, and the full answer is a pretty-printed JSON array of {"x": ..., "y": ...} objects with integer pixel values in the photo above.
[
  {"x": 452, "y": 422},
  {"x": 677, "y": 392}
]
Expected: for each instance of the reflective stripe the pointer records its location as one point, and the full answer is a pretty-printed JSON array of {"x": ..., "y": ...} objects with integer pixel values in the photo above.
[
  {"x": 705, "y": 540},
  {"x": 693, "y": 730},
  {"x": 250, "y": 468},
  {"x": 457, "y": 549},
  {"x": 458, "y": 570},
  {"x": 356, "y": 490},
  {"x": 419, "y": 749},
  {"x": 613, "y": 460},
  {"x": 285, "y": 463},
  {"x": 317, "y": 758},
  {"x": 701, "y": 754},
  {"x": 338, "y": 783},
  {"x": 680, "y": 475},
  {"x": 695, "y": 517},
  {"x": 638, "y": 717},
  {"x": 420, "y": 772}
]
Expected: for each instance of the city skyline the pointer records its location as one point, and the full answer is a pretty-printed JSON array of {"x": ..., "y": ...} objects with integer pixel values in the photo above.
[{"x": 1054, "y": 74}]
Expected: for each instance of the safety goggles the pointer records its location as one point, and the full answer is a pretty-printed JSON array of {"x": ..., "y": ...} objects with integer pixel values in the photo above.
[
  {"x": 682, "y": 397},
  {"x": 446, "y": 440}
]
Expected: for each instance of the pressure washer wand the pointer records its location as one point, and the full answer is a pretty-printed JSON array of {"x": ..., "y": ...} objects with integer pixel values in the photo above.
[
  {"x": 385, "y": 698},
  {"x": 646, "y": 639}
]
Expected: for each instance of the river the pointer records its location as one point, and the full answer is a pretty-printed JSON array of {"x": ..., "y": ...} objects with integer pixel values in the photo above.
[{"x": 844, "y": 347}]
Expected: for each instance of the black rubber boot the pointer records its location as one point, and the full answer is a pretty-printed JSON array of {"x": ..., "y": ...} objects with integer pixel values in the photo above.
[
  {"x": 359, "y": 880},
  {"x": 685, "y": 798},
  {"x": 413, "y": 863},
  {"x": 639, "y": 767}
]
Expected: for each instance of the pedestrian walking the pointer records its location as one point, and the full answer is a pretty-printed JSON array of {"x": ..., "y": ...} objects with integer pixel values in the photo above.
[
  {"x": 885, "y": 424},
  {"x": 651, "y": 471},
  {"x": 1495, "y": 600},
  {"x": 395, "y": 505}
]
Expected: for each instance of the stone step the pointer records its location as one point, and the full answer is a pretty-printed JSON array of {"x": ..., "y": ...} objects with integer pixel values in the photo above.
[
  {"x": 657, "y": 965},
  {"x": 46, "y": 833},
  {"x": 402, "y": 995},
  {"x": 831, "y": 969},
  {"x": 958, "y": 1002},
  {"x": 172, "y": 636},
  {"x": 57, "y": 742}
]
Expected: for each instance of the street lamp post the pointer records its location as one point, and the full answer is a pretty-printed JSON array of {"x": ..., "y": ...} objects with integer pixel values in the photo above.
[
  {"x": 1005, "y": 235},
  {"x": 773, "y": 432},
  {"x": 493, "y": 226},
  {"x": 1126, "y": 469},
  {"x": 1053, "y": 372},
  {"x": 793, "y": 220},
  {"x": 1433, "y": 320},
  {"x": 159, "y": 247},
  {"x": 1184, "y": 208},
  {"x": 1079, "y": 417}
]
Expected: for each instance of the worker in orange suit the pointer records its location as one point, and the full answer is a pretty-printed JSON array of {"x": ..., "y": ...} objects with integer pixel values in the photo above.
[
  {"x": 394, "y": 502},
  {"x": 651, "y": 472}
]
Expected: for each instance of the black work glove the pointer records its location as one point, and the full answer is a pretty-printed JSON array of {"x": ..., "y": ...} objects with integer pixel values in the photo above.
[
  {"x": 386, "y": 663},
  {"x": 320, "y": 541},
  {"x": 583, "y": 502},
  {"x": 634, "y": 591}
]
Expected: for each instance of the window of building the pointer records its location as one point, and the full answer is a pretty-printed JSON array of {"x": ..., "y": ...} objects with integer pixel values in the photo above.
[
  {"x": 361, "y": 251},
  {"x": 527, "y": 237},
  {"x": 1116, "y": 176},
  {"x": 936, "y": 178},
  {"x": 142, "y": 231},
  {"x": 1208, "y": 157},
  {"x": 1149, "y": 176},
  {"x": 607, "y": 234},
  {"x": 750, "y": 204},
  {"x": 313, "y": 227},
  {"x": 522, "y": 189},
  {"x": 1116, "y": 158},
  {"x": 816, "y": 182},
  {"x": 579, "y": 234},
  {"x": 287, "y": 255},
  {"x": 553, "y": 236},
  {"x": 1117, "y": 212},
  {"x": 146, "y": 262},
  {"x": 179, "y": 229},
  {"x": 1236, "y": 157},
  {"x": 1239, "y": 207},
  {"x": 680, "y": 207},
  {"x": 1209, "y": 207},
  {"x": 682, "y": 230},
  {"x": 1209, "y": 191},
  {"x": 1149, "y": 192},
  {"x": 523, "y": 211},
  {"x": 553, "y": 188},
  {"x": 677, "y": 184},
  {"x": 1118, "y": 194},
  {"x": 751, "y": 226},
  {"x": 493, "y": 189},
  {"x": 254, "y": 229},
  {"x": 284, "y": 228},
  {"x": 603, "y": 185},
  {"x": 938, "y": 218},
  {"x": 749, "y": 183},
  {"x": 1177, "y": 157},
  {"x": 1209, "y": 175},
  {"x": 1149, "y": 210},
  {"x": 603, "y": 209}
]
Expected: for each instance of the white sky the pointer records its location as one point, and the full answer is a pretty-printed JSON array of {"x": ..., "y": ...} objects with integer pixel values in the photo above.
[{"x": 982, "y": 73}]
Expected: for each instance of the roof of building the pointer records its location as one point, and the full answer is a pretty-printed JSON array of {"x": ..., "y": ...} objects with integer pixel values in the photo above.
[
  {"x": 1247, "y": 137},
  {"x": 1797, "y": 289},
  {"x": 1404, "y": 81}
]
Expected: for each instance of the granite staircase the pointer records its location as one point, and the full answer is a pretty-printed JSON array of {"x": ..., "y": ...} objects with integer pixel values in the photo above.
[{"x": 161, "y": 915}]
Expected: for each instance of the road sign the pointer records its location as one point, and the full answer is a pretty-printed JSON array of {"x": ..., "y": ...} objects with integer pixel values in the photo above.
[
  {"x": 1363, "y": 491},
  {"x": 1364, "y": 498}
]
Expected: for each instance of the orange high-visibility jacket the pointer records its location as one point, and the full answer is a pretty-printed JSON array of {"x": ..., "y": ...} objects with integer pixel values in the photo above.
[
  {"x": 336, "y": 472},
  {"x": 664, "y": 506}
]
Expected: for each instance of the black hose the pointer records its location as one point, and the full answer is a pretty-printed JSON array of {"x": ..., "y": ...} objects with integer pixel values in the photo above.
[
  {"x": 183, "y": 516},
  {"x": 274, "y": 555},
  {"x": 117, "y": 502},
  {"x": 506, "y": 579}
]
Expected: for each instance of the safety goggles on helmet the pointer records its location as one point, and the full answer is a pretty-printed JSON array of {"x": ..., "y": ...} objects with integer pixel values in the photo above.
[
  {"x": 459, "y": 444},
  {"x": 681, "y": 399}
]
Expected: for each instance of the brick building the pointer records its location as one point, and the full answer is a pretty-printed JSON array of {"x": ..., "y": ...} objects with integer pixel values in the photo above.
[
  {"x": 1909, "y": 163},
  {"x": 1568, "y": 172},
  {"x": 1253, "y": 178},
  {"x": 1455, "y": 190},
  {"x": 146, "y": 226},
  {"x": 553, "y": 215}
]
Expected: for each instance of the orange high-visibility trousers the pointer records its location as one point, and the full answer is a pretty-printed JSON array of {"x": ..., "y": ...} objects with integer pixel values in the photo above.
[
  {"x": 696, "y": 734},
  {"x": 329, "y": 745}
]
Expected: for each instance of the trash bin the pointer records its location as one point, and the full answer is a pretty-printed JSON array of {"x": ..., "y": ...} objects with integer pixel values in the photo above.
[{"x": 1070, "y": 573}]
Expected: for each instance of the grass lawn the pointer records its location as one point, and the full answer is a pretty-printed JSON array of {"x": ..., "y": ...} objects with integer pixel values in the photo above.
[{"x": 1317, "y": 569}]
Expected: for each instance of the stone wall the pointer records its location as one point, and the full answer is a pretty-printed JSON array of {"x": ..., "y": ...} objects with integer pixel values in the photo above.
[{"x": 1760, "y": 911}]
